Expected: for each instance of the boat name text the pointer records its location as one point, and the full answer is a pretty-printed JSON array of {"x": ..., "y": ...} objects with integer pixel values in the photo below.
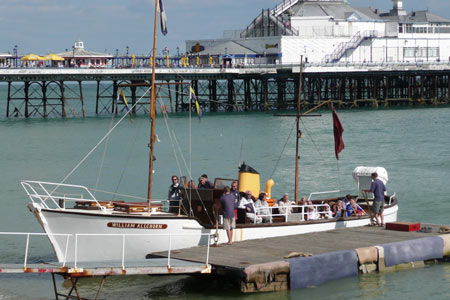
[{"x": 137, "y": 225}]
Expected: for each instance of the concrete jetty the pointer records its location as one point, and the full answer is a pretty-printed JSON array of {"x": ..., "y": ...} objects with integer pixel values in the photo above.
[{"x": 263, "y": 265}]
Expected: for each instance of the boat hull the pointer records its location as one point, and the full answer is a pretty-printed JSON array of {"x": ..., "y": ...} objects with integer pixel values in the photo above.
[{"x": 96, "y": 236}]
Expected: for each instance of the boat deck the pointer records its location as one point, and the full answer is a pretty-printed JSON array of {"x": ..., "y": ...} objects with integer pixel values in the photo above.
[{"x": 241, "y": 255}]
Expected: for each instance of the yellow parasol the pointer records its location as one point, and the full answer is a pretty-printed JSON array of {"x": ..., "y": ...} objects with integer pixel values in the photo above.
[
  {"x": 32, "y": 56},
  {"x": 54, "y": 57}
]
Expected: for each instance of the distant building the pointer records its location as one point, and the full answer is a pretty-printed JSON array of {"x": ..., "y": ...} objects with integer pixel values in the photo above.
[
  {"x": 332, "y": 31},
  {"x": 85, "y": 59},
  {"x": 5, "y": 60}
]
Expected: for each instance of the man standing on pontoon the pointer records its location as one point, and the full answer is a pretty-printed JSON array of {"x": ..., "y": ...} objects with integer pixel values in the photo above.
[
  {"x": 377, "y": 188},
  {"x": 228, "y": 206}
]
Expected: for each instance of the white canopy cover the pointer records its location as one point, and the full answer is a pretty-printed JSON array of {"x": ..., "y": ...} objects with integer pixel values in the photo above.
[{"x": 367, "y": 171}]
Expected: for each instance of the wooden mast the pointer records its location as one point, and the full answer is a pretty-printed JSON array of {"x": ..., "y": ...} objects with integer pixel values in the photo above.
[
  {"x": 298, "y": 127},
  {"x": 152, "y": 112}
]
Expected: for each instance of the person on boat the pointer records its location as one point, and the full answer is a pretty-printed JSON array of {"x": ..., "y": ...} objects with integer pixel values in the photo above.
[
  {"x": 338, "y": 209},
  {"x": 174, "y": 195},
  {"x": 346, "y": 200},
  {"x": 377, "y": 188},
  {"x": 204, "y": 183},
  {"x": 284, "y": 205},
  {"x": 248, "y": 205},
  {"x": 235, "y": 192},
  {"x": 228, "y": 206},
  {"x": 312, "y": 212},
  {"x": 262, "y": 207},
  {"x": 303, "y": 208},
  {"x": 326, "y": 212},
  {"x": 353, "y": 209}
]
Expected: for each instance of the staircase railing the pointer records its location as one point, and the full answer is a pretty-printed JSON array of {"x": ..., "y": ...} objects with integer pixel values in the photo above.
[
  {"x": 354, "y": 43},
  {"x": 283, "y": 6},
  {"x": 282, "y": 22}
]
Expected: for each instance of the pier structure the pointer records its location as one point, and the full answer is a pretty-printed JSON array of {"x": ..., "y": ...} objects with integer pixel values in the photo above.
[
  {"x": 51, "y": 92},
  {"x": 310, "y": 259},
  {"x": 303, "y": 260}
]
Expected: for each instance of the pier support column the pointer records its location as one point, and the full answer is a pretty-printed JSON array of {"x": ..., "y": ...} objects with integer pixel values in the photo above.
[
  {"x": 213, "y": 95},
  {"x": 231, "y": 103},
  {"x": 26, "y": 89},
  {"x": 386, "y": 93},
  {"x": 98, "y": 97},
  {"x": 80, "y": 86},
  {"x": 133, "y": 100},
  {"x": 114, "y": 108},
  {"x": 63, "y": 99},
  {"x": 9, "y": 99},
  {"x": 177, "y": 94},
  {"x": 44, "y": 98}
]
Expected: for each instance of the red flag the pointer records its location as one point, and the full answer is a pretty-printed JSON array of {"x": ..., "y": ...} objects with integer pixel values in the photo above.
[{"x": 338, "y": 130}]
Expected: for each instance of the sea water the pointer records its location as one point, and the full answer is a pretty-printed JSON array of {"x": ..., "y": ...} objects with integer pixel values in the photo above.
[{"x": 413, "y": 144}]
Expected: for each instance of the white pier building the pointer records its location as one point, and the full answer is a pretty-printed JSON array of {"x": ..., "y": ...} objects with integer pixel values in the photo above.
[{"x": 331, "y": 31}]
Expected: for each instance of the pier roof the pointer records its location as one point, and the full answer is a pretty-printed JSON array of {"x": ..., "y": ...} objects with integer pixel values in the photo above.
[
  {"x": 79, "y": 52},
  {"x": 83, "y": 53},
  {"x": 426, "y": 16},
  {"x": 335, "y": 9},
  {"x": 231, "y": 47}
]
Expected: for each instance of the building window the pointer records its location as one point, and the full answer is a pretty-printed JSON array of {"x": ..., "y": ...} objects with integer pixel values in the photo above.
[{"x": 420, "y": 52}]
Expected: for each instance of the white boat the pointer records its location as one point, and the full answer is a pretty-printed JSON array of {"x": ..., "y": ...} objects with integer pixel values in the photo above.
[
  {"x": 107, "y": 230},
  {"x": 111, "y": 230}
]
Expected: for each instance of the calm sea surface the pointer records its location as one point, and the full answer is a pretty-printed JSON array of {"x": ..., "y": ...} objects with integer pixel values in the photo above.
[{"x": 412, "y": 144}]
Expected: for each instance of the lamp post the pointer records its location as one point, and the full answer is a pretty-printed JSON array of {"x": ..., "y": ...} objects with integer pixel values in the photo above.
[
  {"x": 128, "y": 48},
  {"x": 117, "y": 57},
  {"x": 73, "y": 56},
  {"x": 15, "y": 56}
]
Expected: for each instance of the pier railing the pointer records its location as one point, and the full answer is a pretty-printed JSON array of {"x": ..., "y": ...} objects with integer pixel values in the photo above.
[
  {"x": 76, "y": 263},
  {"x": 27, "y": 245}
]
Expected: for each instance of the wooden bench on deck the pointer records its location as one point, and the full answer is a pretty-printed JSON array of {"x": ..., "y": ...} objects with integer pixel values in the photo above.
[
  {"x": 130, "y": 207},
  {"x": 92, "y": 205}
]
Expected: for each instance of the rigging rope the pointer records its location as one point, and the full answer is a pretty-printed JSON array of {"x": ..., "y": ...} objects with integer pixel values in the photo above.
[
  {"x": 130, "y": 152},
  {"x": 100, "y": 169},
  {"x": 282, "y": 151},
  {"x": 99, "y": 143}
]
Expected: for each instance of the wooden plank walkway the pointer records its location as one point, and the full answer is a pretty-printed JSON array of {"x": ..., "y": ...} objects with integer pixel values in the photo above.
[{"x": 243, "y": 254}]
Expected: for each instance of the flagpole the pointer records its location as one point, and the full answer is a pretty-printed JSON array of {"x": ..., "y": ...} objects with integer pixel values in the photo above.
[
  {"x": 152, "y": 112},
  {"x": 298, "y": 127}
]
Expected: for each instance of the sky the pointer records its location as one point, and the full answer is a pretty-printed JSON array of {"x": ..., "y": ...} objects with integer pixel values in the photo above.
[{"x": 51, "y": 26}]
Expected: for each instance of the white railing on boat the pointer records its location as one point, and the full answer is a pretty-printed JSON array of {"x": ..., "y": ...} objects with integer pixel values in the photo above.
[
  {"x": 123, "y": 260},
  {"x": 45, "y": 192},
  {"x": 304, "y": 210}
]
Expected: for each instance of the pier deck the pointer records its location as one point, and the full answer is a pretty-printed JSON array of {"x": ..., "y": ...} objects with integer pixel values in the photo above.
[{"x": 243, "y": 254}]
